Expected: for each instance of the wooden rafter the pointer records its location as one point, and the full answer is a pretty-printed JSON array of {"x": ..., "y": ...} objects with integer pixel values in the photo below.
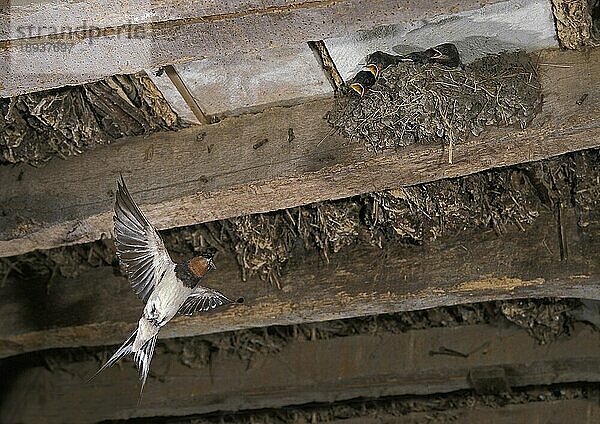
[
  {"x": 175, "y": 33},
  {"x": 99, "y": 308},
  {"x": 302, "y": 372},
  {"x": 583, "y": 411},
  {"x": 250, "y": 164}
]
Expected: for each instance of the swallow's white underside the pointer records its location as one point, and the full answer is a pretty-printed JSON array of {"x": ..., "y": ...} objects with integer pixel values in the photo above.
[{"x": 164, "y": 302}]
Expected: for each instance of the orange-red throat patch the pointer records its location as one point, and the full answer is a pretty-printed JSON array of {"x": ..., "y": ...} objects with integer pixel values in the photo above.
[{"x": 198, "y": 265}]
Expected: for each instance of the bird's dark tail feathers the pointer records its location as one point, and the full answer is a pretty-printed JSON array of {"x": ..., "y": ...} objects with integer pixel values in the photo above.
[{"x": 142, "y": 358}]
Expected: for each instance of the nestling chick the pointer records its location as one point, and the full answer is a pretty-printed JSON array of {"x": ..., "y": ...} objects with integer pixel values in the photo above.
[
  {"x": 364, "y": 80},
  {"x": 444, "y": 54},
  {"x": 382, "y": 60}
]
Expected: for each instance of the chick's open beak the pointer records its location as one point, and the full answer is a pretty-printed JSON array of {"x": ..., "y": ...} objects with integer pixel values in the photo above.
[
  {"x": 438, "y": 54},
  {"x": 358, "y": 87},
  {"x": 373, "y": 69},
  {"x": 363, "y": 81}
]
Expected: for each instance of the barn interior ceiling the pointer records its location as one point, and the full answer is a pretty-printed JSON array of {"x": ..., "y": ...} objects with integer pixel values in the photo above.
[{"x": 425, "y": 252}]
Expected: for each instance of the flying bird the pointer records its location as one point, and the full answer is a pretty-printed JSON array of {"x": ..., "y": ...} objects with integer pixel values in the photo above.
[{"x": 166, "y": 287}]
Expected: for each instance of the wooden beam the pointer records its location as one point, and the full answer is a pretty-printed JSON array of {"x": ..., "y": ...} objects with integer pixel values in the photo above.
[
  {"x": 250, "y": 164},
  {"x": 367, "y": 365},
  {"x": 46, "y": 47},
  {"x": 582, "y": 411},
  {"x": 99, "y": 308}
]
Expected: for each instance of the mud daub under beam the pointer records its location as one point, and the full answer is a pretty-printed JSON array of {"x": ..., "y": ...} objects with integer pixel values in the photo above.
[
  {"x": 569, "y": 402},
  {"x": 416, "y": 215},
  {"x": 226, "y": 372},
  {"x": 577, "y": 22},
  {"x": 37, "y": 127}
]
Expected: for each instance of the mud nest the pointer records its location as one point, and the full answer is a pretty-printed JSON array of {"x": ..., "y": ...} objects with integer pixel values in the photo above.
[
  {"x": 433, "y": 104},
  {"x": 67, "y": 121}
]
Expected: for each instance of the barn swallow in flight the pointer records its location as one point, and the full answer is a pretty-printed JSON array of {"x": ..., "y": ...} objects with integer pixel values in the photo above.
[
  {"x": 165, "y": 286},
  {"x": 364, "y": 80}
]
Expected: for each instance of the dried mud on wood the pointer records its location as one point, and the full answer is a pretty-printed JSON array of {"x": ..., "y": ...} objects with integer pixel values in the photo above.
[
  {"x": 440, "y": 408},
  {"x": 416, "y": 215},
  {"x": 68, "y": 261},
  {"x": 258, "y": 345},
  {"x": 432, "y": 104},
  {"x": 574, "y": 22},
  {"x": 67, "y": 121},
  {"x": 545, "y": 320}
]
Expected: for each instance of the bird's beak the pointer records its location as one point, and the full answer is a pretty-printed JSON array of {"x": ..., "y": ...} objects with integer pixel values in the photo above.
[
  {"x": 373, "y": 69},
  {"x": 438, "y": 54},
  {"x": 358, "y": 87}
]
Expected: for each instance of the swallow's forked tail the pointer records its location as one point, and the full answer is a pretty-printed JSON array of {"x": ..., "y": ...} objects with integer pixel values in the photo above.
[
  {"x": 142, "y": 357},
  {"x": 122, "y": 351},
  {"x": 142, "y": 360}
]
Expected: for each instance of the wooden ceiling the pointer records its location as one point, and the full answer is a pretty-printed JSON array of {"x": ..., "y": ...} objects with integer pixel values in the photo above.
[{"x": 279, "y": 156}]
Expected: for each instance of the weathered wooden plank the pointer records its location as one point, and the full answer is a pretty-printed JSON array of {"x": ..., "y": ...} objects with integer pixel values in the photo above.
[
  {"x": 99, "y": 308},
  {"x": 281, "y": 158},
  {"x": 112, "y": 44},
  {"x": 302, "y": 372},
  {"x": 582, "y": 411},
  {"x": 29, "y": 19}
]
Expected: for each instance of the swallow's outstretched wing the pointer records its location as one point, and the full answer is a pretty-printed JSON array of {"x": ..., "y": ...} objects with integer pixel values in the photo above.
[
  {"x": 203, "y": 299},
  {"x": 139, "y": 246}
]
